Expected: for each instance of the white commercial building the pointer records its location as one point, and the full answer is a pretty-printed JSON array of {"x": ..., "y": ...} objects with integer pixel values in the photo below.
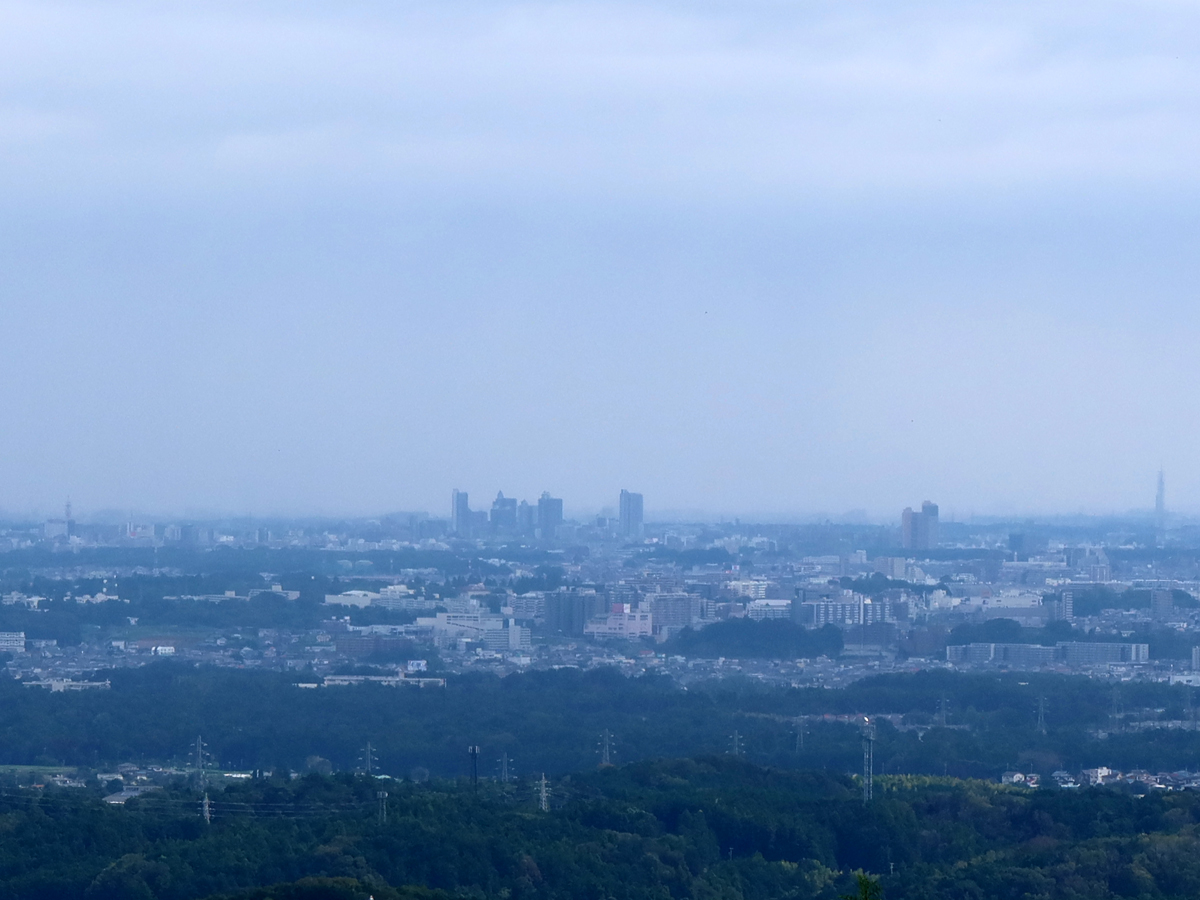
[
  {"x": 623, "y": 621},
  {"x": 12, "y": 641},
  {"x": 359, "y": 599},
  {"x": 769, "y": 609}
]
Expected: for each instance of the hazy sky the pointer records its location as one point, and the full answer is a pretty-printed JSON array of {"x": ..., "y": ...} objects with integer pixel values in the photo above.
[{"x": 746, "y": 257}]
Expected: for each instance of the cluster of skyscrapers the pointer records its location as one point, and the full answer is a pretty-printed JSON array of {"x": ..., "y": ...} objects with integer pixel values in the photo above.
[{"x": 542, "y": 520}]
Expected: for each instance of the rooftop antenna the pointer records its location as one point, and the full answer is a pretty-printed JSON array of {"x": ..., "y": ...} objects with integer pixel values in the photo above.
[
  {"x": 868, "y": 745},
  {"x": 544, "y": 794}
]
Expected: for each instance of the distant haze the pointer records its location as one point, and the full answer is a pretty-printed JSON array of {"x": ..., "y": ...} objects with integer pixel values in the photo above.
[{"x": 782, "y": 258}]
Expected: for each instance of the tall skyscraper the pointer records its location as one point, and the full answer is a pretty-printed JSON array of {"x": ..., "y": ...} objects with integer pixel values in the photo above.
[
  {"x": 919, "y": 530},
  {"x": 526, "y": 519},
  {"x": 630, "y": 521},
  {"x": 504, "y": 514},
  {"x": 550, "y": 516},
  {"x": 460, "y": 513}
]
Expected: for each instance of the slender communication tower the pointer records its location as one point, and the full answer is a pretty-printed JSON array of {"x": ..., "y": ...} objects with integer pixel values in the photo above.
[
  {"x": 504, "y": 776},
  {"x": 943, "y": 705},
  {"x": 473, "y": 750},
  {"x": 544, "y": 794},
  {"x": 1042, "y": 714},
  {"x": 1160, "y": 504},
  {"x": 868, "y": 745},
  {"x": 801, "y": 727},
  {"x": 368, "y": 759},
  {"x": 737, "y": 743}
]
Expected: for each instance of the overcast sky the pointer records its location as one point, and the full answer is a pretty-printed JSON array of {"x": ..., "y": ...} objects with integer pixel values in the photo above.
[{"x": 773, "y": 258}]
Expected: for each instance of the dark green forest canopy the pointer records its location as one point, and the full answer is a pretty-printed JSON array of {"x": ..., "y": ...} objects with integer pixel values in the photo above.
[
  {"x": 688, "y": 829},
  {"x": 552, "y": 721}
]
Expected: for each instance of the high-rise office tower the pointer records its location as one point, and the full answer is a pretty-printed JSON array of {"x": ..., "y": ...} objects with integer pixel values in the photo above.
[
  {"x": 550, "y": 516},
  {"x": 504, "y": 513},
  {"x": 460, "y": 513},
  {"x": 919, "y": 530},
  {"x": 630, "y": 521},
  {"x": 526, "y": 519}
]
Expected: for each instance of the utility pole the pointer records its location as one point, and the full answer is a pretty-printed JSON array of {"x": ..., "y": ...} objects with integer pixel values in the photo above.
[
  {"x": 606, "y": 748},
  {"x": 382, "y": 796},
  {"x": 473, "y": 750},
  {"x": 868, "y": 745},
  {"x": 544, "y": 794},
  {"x": 1042, "y": 714},
  {"x": 206, "y": 810}
]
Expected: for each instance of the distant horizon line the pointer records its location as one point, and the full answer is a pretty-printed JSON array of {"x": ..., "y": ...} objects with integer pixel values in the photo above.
[{"x": 667, "y": 516}]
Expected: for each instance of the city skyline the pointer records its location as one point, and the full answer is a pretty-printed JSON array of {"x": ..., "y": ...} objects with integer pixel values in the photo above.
[{"x": 1159, "y": 513}]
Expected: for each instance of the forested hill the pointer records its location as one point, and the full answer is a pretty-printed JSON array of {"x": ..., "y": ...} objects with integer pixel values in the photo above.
[
  {"x": 700, "y": 829},
  {"x": 552, "y": 722}
]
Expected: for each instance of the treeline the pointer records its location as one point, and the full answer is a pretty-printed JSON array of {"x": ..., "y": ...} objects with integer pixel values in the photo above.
[
  {"x": 948, "y": 723},
  {"x": 749, "y": 639},
  {"x": 685, "y": 830}
]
